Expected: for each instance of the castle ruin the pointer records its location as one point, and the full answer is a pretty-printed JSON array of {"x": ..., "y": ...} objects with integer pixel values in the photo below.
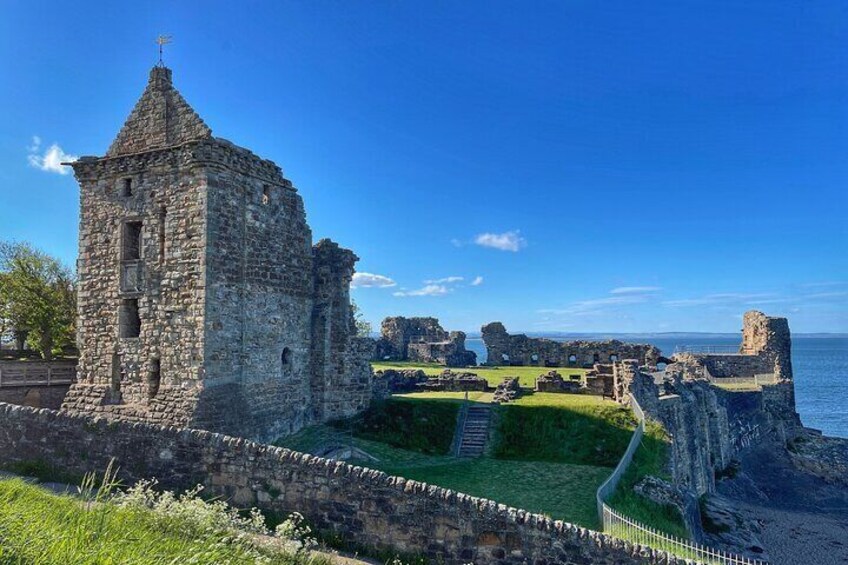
[
  {"x": 202, "y": 300},
  {"x": 422, "y": 340},
  {"x": 505, "y": 349}
]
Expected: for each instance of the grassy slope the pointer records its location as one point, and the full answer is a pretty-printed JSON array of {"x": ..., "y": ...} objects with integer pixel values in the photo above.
[
  {"x": 526, "y": 375},
  {"x": 564, "y": 428},
  {"x": 39, "y": 527},
  {"x": 418, "y": 425},
  {"x": 650, "y": 459},
  {"x": 549, "y": 476}
]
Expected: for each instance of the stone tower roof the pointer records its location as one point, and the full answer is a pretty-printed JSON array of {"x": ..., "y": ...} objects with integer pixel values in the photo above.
[{"x": 161, "y": 118}]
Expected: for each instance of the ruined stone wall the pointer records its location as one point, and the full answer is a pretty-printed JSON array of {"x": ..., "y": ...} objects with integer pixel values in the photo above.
[
  {"x": 768, "y": 338},
  {"x": 259, "y": 296},
  {"x": 341, "y": 384},
  {"x": 451, "y": 353},
  {"x": 518, "y": 349},
  {"x": 707, "y": 425},
  {"x": 359, "y": 505},
  {"x": 397, "y": 332}
]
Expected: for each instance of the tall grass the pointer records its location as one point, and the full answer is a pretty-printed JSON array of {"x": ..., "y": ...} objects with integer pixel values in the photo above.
[{"x": 136, "y": 527}]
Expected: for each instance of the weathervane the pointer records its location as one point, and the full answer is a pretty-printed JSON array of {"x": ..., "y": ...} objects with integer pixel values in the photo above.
[{"x": 162, "y": 40}]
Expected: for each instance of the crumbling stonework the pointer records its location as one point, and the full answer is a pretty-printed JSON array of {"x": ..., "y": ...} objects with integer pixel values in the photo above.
[
  {"x": 507, "y": 391},
  {"x": 422, "y": 340},
  {"x": 359, "y": 505},
  {"x": 707, "y": 424},
  {"x": 392, "y": 381},
  {"x": 202, "y": 301},
  {"x": 450, "y": 381},
  {"x": 518, "y": 349},
  {"x": 552, "y": 381}
]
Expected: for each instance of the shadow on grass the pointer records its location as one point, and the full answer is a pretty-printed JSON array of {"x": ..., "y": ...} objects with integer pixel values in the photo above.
[
  {"x": 425, "y": 426},
  {"x": 593, "y": 435}
]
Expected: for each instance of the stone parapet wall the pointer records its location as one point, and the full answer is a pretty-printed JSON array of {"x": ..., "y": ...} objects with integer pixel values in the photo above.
[{"x": 359, "y": 505}]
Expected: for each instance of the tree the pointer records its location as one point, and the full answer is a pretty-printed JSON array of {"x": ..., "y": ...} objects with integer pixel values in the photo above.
[
  {"x": 363, "y": 326},
  {"x": 37, "y": 298}
]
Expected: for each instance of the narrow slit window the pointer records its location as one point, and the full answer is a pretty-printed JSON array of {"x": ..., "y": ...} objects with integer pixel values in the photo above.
[
  {"x": 154, "y": 378},
  {"x": 266, "y": 194},
  {"x": 126, "y": 187},
  {"x": 115, "y": 385},
  {"x": 130, "y": 322},
  {"x": 132, "y": 241},
  {"x": 163, "y": 213}
]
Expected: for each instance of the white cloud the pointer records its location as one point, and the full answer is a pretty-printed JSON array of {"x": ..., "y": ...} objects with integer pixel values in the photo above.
[
  {"x": 621, "y": 296},
  {"x": 635, "y": 289},
  {"x": 595, "y": 305},
  {"x": 370, "y": 280},
  {"x": 507, "y": 241},
  {"x": 446, "y": 280},
  {"x": 477, "y": 281},
  {"x": 427, "y": 290},
  {"x": 719, "y": 299},
  {"x": 52, "y": 158}
]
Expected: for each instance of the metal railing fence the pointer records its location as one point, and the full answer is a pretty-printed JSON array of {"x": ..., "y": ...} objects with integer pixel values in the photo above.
[
  {"x": 623, "y": 527},
  {"x": 710, "y": 349},
  {"x": 619, "y": 525},
  {"x": 755, "y": 381}
]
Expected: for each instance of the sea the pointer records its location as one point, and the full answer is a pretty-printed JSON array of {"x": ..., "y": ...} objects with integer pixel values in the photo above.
[{"x": 820, "y": 366}]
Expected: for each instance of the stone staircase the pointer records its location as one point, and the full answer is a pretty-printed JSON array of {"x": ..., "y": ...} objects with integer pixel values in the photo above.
[{"x": 475, "y": 431}]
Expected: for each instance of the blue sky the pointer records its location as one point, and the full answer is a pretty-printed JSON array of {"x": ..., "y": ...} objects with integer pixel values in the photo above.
[{"x": 582, "y": 166}]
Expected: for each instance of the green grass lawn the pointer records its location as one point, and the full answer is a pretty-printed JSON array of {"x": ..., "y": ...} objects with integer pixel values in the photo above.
[
  {"x": 564, "y": 428},
  {"x": 526, "y": 375},
  {"x": 562, "y": 491},
  {"x": 42, "y": 528},
  {"x": 550, "y": 452}
]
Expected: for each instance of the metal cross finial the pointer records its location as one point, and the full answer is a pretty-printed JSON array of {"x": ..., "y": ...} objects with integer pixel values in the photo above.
[{"x": 162, "y": 40}]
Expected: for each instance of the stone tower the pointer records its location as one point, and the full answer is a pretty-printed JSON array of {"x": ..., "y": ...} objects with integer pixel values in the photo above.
[{"x": 202, "y": 301}]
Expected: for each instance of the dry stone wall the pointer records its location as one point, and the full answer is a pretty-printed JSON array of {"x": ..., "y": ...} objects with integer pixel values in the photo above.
[{"x": 360, "y": 505}]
